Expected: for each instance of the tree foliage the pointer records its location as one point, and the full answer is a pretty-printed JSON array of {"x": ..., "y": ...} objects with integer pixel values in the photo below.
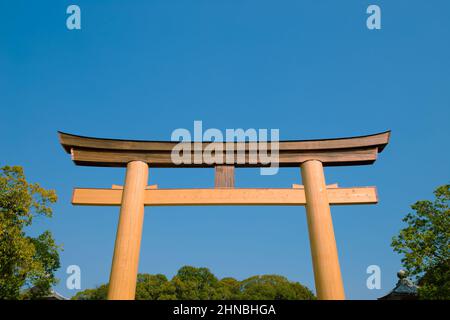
[
  {"x": 425, "y": 245},
  {"x": 99, "y": 293},
  {"x": 272, "y": 287},
  {"x": 192, "y": 283},
  {"x": 24, "y": 261}
]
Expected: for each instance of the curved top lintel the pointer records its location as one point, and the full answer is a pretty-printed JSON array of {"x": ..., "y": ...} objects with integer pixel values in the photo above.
[{"x": 115, "y": 152}]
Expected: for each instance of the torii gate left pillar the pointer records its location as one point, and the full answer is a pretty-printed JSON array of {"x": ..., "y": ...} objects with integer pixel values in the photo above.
[{"x": 122, "y": 281}]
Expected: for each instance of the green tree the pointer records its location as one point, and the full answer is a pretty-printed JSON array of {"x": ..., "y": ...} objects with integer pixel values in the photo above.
[
  {"x": 192, "y": 283},
  {"x": 195, "y": 283},
  {"x": 425, "y": 245},
  {"x": 273, "y": 287},
  {"x": 98, "y": 293},
  {"x": 154, "y": 287},
  {"x": 25, "y": 261},
  {"x": 228, "y": 289}
]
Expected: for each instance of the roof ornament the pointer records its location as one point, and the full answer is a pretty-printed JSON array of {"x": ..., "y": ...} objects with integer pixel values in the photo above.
[{"x": 405, "y": 289}]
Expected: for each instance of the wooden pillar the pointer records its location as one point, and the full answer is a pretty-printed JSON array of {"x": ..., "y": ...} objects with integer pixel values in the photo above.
[
  {"x": 327, "y": 273},
  {"x": 224, "y": 176},
  {"x": 122, "y": 281}
]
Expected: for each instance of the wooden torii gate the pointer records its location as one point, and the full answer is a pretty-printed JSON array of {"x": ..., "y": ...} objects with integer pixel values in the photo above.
[{"x": 309, "y": 155}]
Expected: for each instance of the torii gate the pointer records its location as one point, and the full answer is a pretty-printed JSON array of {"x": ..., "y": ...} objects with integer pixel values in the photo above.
[{"x": 309, "y": 155}]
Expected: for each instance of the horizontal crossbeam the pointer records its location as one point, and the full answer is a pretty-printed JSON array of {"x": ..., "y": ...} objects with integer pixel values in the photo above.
[{"x": 236, "y": 197}]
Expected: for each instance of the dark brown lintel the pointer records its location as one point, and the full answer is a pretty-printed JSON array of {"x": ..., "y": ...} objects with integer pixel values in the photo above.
[{"x": 117, "y": 153}]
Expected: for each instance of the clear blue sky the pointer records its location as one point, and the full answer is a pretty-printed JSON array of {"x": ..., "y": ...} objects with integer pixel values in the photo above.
[{"x": 140, "y": 69}]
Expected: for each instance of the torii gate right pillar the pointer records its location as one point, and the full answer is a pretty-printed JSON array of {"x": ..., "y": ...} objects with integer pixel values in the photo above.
[{"x": 327, "y": 272}]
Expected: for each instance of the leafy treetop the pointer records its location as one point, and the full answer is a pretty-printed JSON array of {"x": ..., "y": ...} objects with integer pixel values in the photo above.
[
  {"x": 25, "y": 262},
  {"x": 425, "y": 245},
  {"x": 192, "y": 283}
]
